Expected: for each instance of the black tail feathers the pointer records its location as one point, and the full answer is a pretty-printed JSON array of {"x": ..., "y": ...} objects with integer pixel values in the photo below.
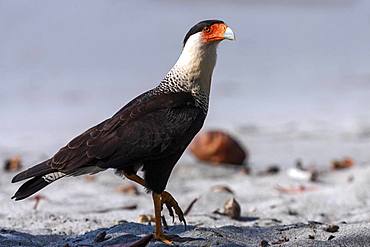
[
  {"x": 41, "y": 175},
  {"x": 30, "y": 187},
  {"x": 37, "y": 170}
]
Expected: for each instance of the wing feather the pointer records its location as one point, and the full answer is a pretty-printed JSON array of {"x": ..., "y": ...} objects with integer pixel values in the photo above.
[{"x": 146, "y": 127}]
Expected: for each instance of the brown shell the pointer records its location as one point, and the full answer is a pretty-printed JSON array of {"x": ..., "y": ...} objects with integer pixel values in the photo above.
[{"x": 218, "y": 147}]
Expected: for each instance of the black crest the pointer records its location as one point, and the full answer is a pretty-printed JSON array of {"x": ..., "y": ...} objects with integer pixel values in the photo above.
[{"x": 199, "y": 27}]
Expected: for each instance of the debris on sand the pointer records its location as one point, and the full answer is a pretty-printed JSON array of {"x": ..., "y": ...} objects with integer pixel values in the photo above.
[
  {"x": 146, "y": 218},
  {"x": 331, "y": 228},
  {"x": 218, "y": 147},
  {"x": 222, "y": 188},
  {"x": 188, "y": 209},
  {"x": 129, "y": 189},
  {"x": 13, "y": 164},
  {"x": 100, "y": 237},
  {"x": 245, "y": 170},
  {"x": 302, "y": 175},
  {"x": 281, "y": 240},
  {"x": 264, "y": 243},
  {"x": 294, "y": 189},
  {"x": 89, "y": 178},
  {"x": 231, "y": 209},
  {"x": 270, "y": 170},
  {"x": 101, "y": 211},
  {"x": 300, "y": 172},
  {"x": 331, "y": 237},
  {"x": 342, "y": 164},
  {"x": 37, "y": 199},
  {"x": 292, "y": 212}
]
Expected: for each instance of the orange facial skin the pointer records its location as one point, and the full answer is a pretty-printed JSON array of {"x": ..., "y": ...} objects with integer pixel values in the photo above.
[{"x": 214, "y": 32}]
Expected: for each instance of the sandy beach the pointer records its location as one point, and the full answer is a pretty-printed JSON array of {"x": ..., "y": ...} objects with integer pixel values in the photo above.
[{"x": 276, "y": 210}]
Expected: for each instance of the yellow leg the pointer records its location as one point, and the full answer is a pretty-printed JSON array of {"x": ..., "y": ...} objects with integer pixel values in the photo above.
[
  {"x": 136, "y": 179},
  {"x": 158, "y": 234},
  {"x": 166, "y": 199}
]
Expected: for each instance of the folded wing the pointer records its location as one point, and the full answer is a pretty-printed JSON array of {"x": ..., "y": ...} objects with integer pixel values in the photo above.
[{"x": 147, "y": 128}]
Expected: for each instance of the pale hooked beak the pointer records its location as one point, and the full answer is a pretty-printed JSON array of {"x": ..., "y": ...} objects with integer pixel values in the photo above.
[{"x": 229, "y": 34}]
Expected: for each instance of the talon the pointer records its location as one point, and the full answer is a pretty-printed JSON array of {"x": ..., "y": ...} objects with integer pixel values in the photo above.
[
  {"x": 171, "y": 205},
  {"x": 169, "y": 208},
  {"x": 183, "y": 220}
]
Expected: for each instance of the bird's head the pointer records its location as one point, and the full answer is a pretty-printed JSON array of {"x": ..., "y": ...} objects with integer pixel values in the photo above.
[{"x": 208, "y": 33}]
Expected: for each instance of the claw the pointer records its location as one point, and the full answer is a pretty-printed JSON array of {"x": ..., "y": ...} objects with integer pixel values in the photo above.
[
  {"x": 170, "y": 211},
  {"x": 184, "y": 221},
  {"x": 172, "y": 205}
]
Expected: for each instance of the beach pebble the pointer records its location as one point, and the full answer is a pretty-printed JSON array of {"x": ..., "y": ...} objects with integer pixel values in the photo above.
[
  {"x": 331, "y": 237},
  {"x": 222, "y": 188},
  {"x": 13, "y": 164},
  {"x": 100, "y": 237},
  {"x": 245, "y": 170},
  {"x": 270, "y": 170},
  {"x": 129, "y": 189},
  {"x": 218, "y": 147},
  {"x": 281, "y": 240},
  {"x": 90, "y": 178},
  {"x": 331, "y": 228},
  {"x": 145, "y": 218},
  {"x": 342, "y": 164},
  {"x": 264, "y": 243},
  {"x": 300, "y": 174},
  {"x": 232, "y": 209}
]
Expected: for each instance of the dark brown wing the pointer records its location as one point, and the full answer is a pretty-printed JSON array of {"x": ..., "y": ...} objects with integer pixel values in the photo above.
[{"x": 149, "y": 127}]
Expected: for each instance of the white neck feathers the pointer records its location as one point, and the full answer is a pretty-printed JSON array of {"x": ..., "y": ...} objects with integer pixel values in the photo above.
[{"x": 195, "y": 64}]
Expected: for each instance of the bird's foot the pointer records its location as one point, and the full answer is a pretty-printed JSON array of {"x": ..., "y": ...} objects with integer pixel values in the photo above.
[
  {"x": 163, "y": 238},
  {"x": 171, "y": 204}
]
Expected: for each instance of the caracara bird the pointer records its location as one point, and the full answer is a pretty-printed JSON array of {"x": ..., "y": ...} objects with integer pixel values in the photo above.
[{"x": 149, "y": 133}]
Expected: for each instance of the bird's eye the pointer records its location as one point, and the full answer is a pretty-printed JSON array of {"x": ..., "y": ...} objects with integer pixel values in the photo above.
[{"x": 207, "y": 30}]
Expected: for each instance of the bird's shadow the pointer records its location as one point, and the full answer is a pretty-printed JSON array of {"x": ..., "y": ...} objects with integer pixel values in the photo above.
[
  {"x": 128, "y": 234},
  {"x": 173, "y": 231},
  {"x": 134, "y": 234},
  {"x": 122, "y": 235},
  {"x": 247, "y": 219}
]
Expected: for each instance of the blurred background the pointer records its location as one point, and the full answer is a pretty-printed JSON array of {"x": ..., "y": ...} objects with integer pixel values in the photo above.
[{"x": 295, "y": 84}]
